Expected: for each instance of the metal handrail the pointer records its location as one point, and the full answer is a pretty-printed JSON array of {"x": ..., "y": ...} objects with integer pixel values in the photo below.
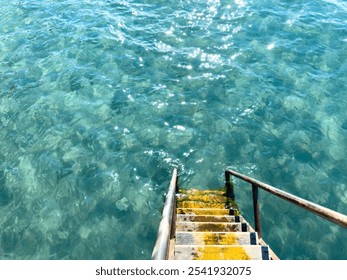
[
  {"x": 319, "y": 210},
  {"x": 162, "y": 245}
]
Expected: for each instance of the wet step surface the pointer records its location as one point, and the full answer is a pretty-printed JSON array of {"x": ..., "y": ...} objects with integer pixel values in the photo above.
[
  {"x": 225, "y": 252},
  {"x": 207, "y": 218},
  {"x": 203, "y": 211},
  {"x": 213, "y": 238},
  {"x": 210, "y": 227}
]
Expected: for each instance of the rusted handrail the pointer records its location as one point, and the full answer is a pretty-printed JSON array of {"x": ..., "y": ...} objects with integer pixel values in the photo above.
[
  {"x": 319, "y": 210},
  {"x": 161, "y": 248}
]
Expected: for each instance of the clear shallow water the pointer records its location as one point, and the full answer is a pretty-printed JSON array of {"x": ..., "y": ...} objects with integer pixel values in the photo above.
[{"x": 100, "y": 99}]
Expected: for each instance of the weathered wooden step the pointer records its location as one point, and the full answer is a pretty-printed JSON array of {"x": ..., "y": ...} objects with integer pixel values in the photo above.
[
  {"x": 200, "y": 204},
  {"x": 201, "y": 198},
  {"x": 216, "y": 238},
  {"x": 207, "y": 218},
  {"x": 197, "y": 191},
  {"x": 224, "y": 252},
  {"x": 210, "y": 227},
  {"x": 206, "y": 211}
]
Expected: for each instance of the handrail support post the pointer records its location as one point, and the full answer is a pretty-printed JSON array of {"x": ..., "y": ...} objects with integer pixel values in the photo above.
[
  {"x": 256, "y": 208},
  {"x": 229, "y": 186}
]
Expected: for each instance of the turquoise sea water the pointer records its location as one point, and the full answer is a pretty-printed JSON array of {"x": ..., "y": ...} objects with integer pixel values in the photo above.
[{"x": 100, "y": 99}]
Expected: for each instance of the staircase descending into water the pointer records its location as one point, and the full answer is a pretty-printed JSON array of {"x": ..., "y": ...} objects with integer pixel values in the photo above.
[
  {"x": 207, "y": 224},
  {"x": 209, "y": 227}
]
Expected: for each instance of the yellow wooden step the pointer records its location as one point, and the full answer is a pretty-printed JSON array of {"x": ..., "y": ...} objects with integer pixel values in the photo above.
[
  {"x": 202, "y": 198},
  {"x": 194, "y": 198},
  {"x": 210, "y": 227},
  {"x": 206, "y": 218},
  {"x": 206, "y": 211},
  {"x": 200, "y": 204},
  {"x": 197, "y": 191},
  {"x": 216, "y": 238},
  {"x": 224, "y": 252}
]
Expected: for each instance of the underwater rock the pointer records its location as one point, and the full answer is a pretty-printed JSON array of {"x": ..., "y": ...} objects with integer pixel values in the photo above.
[
  {"x": 303, "y": 156},
  {"x": 91, "y": 178},
  {"x": 119, "y": 101},
  {"x": 65, "y": 171},
  {"x": 179, "y": 136},
  {"x": 5, "y": 194},
  {"x": 2, "y": 179},
  {"x": 9, "y": 239},
  {"x": 344, "y": 125},
  {"x": 123, "y": 204}
]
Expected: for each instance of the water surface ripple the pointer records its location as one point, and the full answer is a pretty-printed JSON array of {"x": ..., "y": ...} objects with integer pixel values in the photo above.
[{"x": 100, "y": 99}]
